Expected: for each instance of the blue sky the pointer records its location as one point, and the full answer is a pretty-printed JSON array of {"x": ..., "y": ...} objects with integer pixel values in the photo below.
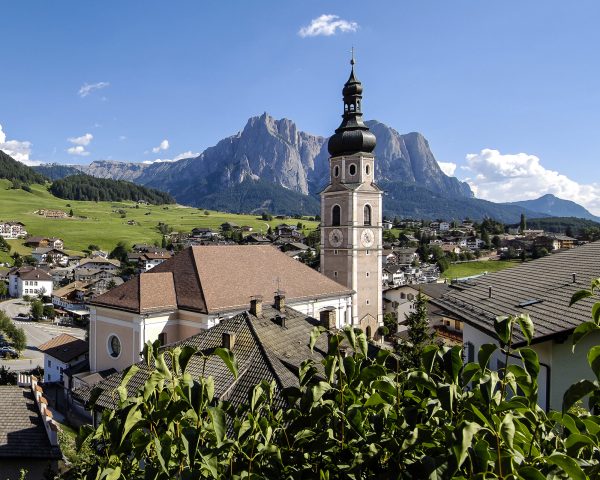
[{"x": 507, "y": 93}]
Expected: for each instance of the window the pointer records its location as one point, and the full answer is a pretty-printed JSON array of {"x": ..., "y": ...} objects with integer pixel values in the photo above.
[
  {"x": 367, "y": 302},
  {"x": 336, "y": 171},
  {"x": 49, "y": 363},
  {"x": 336, "y": 215},
  {"x": 335, "y": 252},
  {"x": 352, "y": 169},
  {"x": 367, "y": 215},
  {"x": 368, "y": 252},
  {"x": 335, "y": 274},
  {"x": 367, "y": 274},
  {"x": 469, "y": 352},
  {"x": 368, "y": 169},
  {"x": 162, "y": 338},
  {"x": 114, "y": 346}
]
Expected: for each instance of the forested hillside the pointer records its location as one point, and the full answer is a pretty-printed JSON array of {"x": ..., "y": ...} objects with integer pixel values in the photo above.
[
  {"x": 85, "y": 187},
  {"x": 55, "y": 171},
  {"x": 12, "y": 170}
]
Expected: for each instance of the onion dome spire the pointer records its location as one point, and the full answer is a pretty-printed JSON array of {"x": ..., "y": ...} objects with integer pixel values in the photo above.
[{"x": 352, "y": 136}]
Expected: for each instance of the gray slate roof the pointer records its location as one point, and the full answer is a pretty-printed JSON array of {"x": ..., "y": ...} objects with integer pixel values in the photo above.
[
  {"x": 263, "y": 348},
  {"x": 548, "y": 281},
  {"x": 22, "y": 434}
]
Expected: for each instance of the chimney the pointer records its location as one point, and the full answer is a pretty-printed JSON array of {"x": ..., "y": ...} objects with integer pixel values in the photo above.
[
  {"x": 256, "y": 305},
  {"x": 327, "y": 318},
  {"x": 280, "y": 301},
  {"x": 490, "y": 292},
  {"x": 574, "y": 278},
  {"x": 228, "y": 340}
]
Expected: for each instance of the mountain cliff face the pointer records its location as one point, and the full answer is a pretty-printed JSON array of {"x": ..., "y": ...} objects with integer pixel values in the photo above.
[{"x": 275, "y": 151}]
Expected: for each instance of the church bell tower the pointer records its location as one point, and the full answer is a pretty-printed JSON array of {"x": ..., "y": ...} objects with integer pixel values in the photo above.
[{"x": 351, "y": 212}]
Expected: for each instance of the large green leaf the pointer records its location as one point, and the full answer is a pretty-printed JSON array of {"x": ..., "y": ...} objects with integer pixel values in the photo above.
[
  {"x": 582, "y": 330},
  {"x": 507, "y": 430},
  {"x": 530, "y": 473},
  {"x": 576, "y": 392},
  {"x": 577, "y": 441},
  {"x": 580, "y": 295},
  {"x": 503, "y": 327},
  {"x": 596, "y": 313},
  {"x": 133, "y": 417},
  {"x": 218, "y": 423},
  {"x": 570, "y": 466},
  {"x": 485, "y": 352},
  {"x": 314, "y": 336},
  {"x": 453, "y": 362},
  {"x": 464, "y": 433},
  {"x": 530, "y": 361},
  {"x": 526, "y": 326},
  {"x": 594, "y": 359},
  {"x": 229, "y": 359}
]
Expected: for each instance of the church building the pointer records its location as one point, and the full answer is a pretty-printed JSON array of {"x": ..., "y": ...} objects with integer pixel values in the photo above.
[{"x": 351, "y": 213}]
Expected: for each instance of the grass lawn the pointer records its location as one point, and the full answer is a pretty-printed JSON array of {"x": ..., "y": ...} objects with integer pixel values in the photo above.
[
  {"x": 467, "y": 269},
  {"x": 99, "y": 223}
]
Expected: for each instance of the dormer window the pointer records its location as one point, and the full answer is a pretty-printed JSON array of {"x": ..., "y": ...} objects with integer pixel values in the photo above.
[
  {"x": 336, "y": 171},
  {"x": 368, "y": 169},
  {"x": 352, "y": 169}
]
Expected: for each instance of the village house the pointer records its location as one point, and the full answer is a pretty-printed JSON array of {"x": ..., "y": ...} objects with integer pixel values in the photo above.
[
  {"x": 406, "y": 256},
  {"x": 541, "y": 288},
  {"x": 195, "y": 290},
  {"x": 387, "y": 225},
  {"x": 29, "y": 281},
  {"x": 61, "y": 353},
  {"x": 52, "y": 213},
  {"x": 255, "y": 239},
  {"x": 28, "y": 433},
  {"x": 12, "y": 230},
  {"x": 554, "y": 241},
  {"x": 106, "y": 264},
  {"x": 146, "y": 261},
  {"x": 50, "y": 255}
]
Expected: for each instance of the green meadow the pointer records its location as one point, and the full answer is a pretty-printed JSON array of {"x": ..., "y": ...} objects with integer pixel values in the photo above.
[
  {"x": 467, "y": 269},
  {"x": 100, "y": 223}
]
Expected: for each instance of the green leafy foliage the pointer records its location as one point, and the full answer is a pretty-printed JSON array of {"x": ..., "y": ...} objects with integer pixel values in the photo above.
[{"x": 353, "y": 417}]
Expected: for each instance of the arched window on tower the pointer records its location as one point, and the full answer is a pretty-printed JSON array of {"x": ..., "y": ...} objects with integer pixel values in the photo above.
[
  {"x": 367, "y": 215},
  {"x": 336, "y": 215}
]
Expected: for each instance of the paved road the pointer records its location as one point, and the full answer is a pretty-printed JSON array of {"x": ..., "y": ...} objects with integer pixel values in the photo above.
[{"x": 37, "y": 333}]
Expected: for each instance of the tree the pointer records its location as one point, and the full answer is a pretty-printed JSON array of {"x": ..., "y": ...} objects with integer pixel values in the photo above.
[
  {"x": 37, "y": 310},
  {"x": 120, "y": 252},
  {"x": 19, "y": 339},
  {"x": 49, "y": 312},
  {"x": 496, "y": 242},
  {"x": 523, "y": 223},
  {"x": 419, "y": 334},
  {"x": 485, "y": 237},
  {"x": 569, "y": 231},
  {"x": 71, "y": 212}
]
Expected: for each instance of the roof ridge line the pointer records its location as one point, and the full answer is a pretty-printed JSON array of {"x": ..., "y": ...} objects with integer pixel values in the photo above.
[{"x": 264, "y": 352}]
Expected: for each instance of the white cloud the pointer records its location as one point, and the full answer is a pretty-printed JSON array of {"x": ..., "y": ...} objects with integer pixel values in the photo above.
[
  {"x": 327, "y": 25},
  {"x": 181, "y": 156},
  {"x": 164, "y": 145},
  {"x": 448, "y": 168},
  {"x": 80, "y": 144},
  {"x": 78, "y": 150},
  {"x": 83, "y": 140},
  {"x": 511, "y": 177},
  {"x": 86, "y": 88},
  {"x": 19, "y": 150}
]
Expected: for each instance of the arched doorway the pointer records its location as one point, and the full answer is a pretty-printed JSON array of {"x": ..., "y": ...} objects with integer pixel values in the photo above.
[{"x": 368, "y": 332}]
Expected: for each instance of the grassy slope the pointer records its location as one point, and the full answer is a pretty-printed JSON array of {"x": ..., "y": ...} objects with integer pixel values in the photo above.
[
  {"x": 467, "y": 269},
  {"x": 103, "y": 226}
]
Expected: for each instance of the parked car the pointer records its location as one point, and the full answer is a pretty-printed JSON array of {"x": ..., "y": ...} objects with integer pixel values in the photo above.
[{"x": 8, "y": 352}]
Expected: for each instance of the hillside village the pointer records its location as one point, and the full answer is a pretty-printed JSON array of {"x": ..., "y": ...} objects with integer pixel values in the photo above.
[{"x": 410, "y": 346}]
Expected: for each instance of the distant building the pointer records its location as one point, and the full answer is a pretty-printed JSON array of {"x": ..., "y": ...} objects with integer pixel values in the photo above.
[
  {"x": 29, "y": 281},
  {"x": 12, "y": 230},
  {"x": 541, "y": 288},
  {"x": 61, "y": 353}
]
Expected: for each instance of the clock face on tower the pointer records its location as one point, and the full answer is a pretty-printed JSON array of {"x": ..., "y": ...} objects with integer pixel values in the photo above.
[
  {"x": 367, "y": 238},
  {"x": 336, "y": 237}
]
